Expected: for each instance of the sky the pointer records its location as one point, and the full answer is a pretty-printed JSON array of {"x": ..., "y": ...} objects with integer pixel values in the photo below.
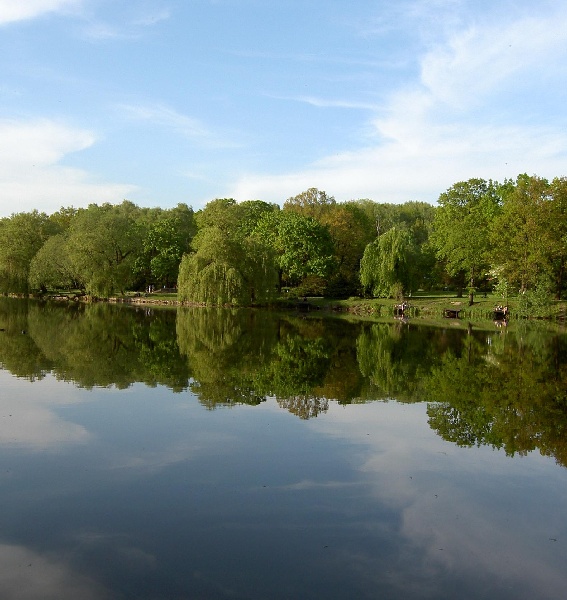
[{"x": 168, "y": 101}]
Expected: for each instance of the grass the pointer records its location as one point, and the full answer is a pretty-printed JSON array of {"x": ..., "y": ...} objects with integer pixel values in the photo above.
[
  {"x": 432, "y": 305},
  {"x": 423, "y": 305}
]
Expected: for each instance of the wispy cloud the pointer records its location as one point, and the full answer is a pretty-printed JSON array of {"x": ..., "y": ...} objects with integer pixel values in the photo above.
[
  {"x": 132, "y": 25},
  {"x": 32, "y": 174},
  {"x": 443, "y": 127},
  {"x": 184, "y": 125},
  {"x": 21, "y": 10},
  {"x": 329, "y": 103},
  {"x": 152, "y": 18},
  {"x": 479, "y": 60}
]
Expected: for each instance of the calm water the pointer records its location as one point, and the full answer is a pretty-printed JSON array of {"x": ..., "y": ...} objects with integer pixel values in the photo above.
[{"x": 239, "y": 455}]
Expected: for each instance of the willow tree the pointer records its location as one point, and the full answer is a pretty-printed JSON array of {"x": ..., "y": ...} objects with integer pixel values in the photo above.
[
  {"x": 387, "y": 266},
  {"x": 51, "y": 267},
  {"x": 226, "y": 266}
]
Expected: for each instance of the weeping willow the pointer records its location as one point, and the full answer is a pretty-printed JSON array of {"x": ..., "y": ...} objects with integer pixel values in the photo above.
[
  {"x": 386, "y": 267},
  {"x": 226, "y": 272}
]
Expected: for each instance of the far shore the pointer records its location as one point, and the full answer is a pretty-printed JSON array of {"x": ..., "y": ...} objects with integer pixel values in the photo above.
[{"x": 420, "y": 306}]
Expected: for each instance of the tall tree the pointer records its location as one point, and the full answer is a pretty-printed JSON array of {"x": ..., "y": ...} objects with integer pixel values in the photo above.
[
  {"x": 557, "y": 223},
  {"x": 226, "y": 266},
  {"x": 103, "y": 244},
  {"x": 350, "y": 231},
  {"x": 386, "y": 269},
  {"x": 301, "y": 245},
  {"x": 51, "y": 267},
  {"x": 461, "y": 228},
  {"x": 21, "y": 236},
  {"x": 522, "y": 234},
  {"x": 166, "y": 237},
  {"x": 311, "y": 203}
]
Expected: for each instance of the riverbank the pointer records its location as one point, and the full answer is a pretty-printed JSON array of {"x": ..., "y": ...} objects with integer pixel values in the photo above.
[
  {"x": 422, "y": 305},
  {"x": 437, "y": 305}
]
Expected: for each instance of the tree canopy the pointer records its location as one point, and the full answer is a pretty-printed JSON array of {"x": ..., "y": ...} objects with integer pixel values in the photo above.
[{"x": 512, "y": 235}]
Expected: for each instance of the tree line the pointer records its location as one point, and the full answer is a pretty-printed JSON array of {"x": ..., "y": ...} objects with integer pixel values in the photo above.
[{"x": 482, "y": 235}]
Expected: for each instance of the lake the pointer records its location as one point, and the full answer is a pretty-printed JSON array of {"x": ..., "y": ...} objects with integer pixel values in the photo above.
[{"x": 184, "y": 453}]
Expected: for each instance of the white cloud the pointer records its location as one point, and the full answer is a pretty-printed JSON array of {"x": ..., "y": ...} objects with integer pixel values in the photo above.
[
  {"x": 31, "y": 173},
  {"x": 20, "y": 10},
  {"x": 481, "y": 60},
  {"x": 444, "y": 127},
  {"x": 418, "y": 164}
]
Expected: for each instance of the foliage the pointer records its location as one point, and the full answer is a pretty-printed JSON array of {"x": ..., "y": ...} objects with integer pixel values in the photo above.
[
  {"x": 102, "y": 245},
  {"x": 535, "y": 302},
  {"x": 461, "y": 228},
  {"x": 482, "y": 233},
  {"x": 21, "y": 236},
  {"x": 350, "y": 232},
  {"x": 311, "y": 203},
  {"x": 521, "y": 233},
  {"x": 386, "y": 269},
  {"x": 51, "y": 267},
  {"x": 226, "y": 266},
  {"x": 301, "y": 245},
  {"x": 166, "y": 238}
]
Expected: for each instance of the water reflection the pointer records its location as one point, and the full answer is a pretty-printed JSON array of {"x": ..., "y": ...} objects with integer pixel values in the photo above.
[
  {"x": 503, "y": 388},
  {"x": 117, "y": 483}
]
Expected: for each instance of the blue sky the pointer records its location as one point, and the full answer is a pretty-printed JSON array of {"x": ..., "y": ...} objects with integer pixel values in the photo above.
[{"x": 167, "y": 101}]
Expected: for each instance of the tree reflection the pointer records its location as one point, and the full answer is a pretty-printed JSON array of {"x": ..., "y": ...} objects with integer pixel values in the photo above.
[
  {"x": 510, "y": 394},
  {"x": 19, "y": 352},
  {"x": 395, "y": 358},
  {"x": 225, "y": 350},
  {"x": 96, "y": 345},
  {"x": 506, "y": 389}
]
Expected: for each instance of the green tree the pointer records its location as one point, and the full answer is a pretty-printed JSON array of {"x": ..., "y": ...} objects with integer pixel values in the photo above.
[
  {"x": 522, "y": 234},
  {"x": 350, "y": 232},
  {"x": 64, "y": 217},
  {"x": 51, "y": 267},
  {"x": 227, "y": 266},
  {"x": 461, "y": 228},
  {"x": 556, "y": 218},
  {"x": 250, "y": 213},
  {"x": 386, "y": 269},
  {"x": 165, "y": 239},
  {"x": 311, "y": 203},
  {"x": 301, "y": 246},
  {"x": 21, "y": 236},
  {"x": 103, "y": 244}
]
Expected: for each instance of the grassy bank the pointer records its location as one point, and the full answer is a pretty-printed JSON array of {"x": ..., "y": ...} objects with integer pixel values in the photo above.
[
  {"x": 432, "y": 306},
  {"x": 421, "y": 305}
]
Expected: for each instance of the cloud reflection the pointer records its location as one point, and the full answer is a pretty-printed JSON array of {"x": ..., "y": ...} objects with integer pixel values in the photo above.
[
  {"x": 27, "y": 575},
  {"x": 28, "y": 419},
  {"x": 462, "y": 512}
]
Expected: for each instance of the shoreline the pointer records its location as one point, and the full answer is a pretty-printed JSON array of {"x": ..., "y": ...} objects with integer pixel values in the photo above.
[{"x": 420, "y": 307}]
